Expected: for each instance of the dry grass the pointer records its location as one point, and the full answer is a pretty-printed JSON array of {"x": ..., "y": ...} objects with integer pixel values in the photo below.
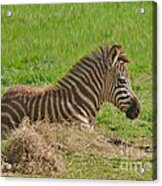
[
  {"x": 37, "y": 149},
  {"x": 31, "y": 154}
]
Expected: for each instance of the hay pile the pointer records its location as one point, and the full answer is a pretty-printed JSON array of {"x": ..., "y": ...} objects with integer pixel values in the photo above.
[
  {"x": 38, "y": 149},
  {"x": 30, "y": 153}
]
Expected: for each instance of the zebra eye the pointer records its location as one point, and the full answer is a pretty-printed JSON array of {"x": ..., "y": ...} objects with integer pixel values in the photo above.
[{"x": 121, "y": 80}]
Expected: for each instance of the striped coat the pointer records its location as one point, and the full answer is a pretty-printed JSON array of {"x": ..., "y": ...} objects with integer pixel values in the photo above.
[{"x": 77, "y": 97}]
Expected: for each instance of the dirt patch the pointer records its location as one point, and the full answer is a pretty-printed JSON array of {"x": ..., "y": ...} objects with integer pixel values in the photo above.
[{"x": 37, "y": 149}]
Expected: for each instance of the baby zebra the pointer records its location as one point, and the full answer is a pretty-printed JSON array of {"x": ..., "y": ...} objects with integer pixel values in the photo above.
[{"x": 97, "y": 78}]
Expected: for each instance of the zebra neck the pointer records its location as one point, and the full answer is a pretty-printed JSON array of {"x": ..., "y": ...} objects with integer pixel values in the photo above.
[{"x": 83, "y": 86}]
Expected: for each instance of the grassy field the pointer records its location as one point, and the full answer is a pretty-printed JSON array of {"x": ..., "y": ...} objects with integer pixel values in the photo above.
[{"x": 41, "y": 42}]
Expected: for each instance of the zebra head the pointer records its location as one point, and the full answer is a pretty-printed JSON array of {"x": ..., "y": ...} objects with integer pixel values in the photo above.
[{"x": 118, "y": 88}]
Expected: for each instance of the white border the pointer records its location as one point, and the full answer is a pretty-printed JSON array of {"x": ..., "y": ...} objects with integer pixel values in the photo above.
[{"x": 59, "y": 182}]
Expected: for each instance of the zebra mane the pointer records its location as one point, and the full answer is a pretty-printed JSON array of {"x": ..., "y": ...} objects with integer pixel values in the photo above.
[
  {"x": 122, "y": 55},
  {"x": 102, "y": 53}
]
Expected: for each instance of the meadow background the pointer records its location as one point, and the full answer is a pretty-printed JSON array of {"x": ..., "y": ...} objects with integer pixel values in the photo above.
[{"x": 41, "y": 42}]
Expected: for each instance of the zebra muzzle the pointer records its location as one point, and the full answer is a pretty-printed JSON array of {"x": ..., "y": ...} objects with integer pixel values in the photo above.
[{"x": 134, "y": 110}]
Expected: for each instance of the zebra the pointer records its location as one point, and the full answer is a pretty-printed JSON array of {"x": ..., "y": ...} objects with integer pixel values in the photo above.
[{"x": 101, "y": 77}]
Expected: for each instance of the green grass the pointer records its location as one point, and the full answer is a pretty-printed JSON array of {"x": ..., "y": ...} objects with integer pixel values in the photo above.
[
  {"x": 41, "y": 42},
  {"x": 93, "y": 167}
]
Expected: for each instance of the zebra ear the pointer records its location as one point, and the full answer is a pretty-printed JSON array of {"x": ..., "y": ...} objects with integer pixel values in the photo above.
[{"x": 113, "y": 56}]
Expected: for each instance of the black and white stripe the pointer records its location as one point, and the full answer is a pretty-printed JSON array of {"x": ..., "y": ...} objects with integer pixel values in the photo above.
[{"x": 77, "y": 97}]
